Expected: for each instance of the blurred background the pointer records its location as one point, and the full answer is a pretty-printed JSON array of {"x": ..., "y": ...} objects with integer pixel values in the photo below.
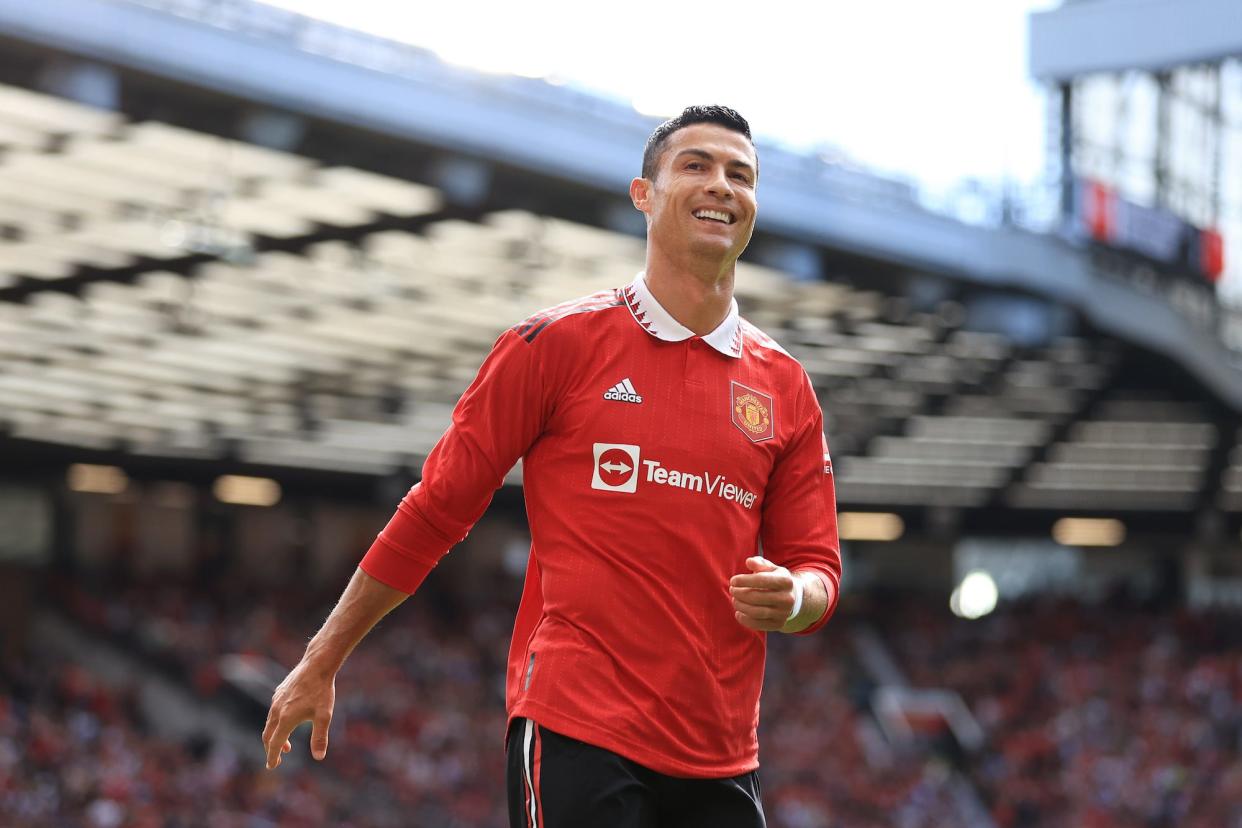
[{"x": 250, "y": 256}]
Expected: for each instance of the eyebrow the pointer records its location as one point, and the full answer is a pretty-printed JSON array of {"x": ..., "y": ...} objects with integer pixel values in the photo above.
[{"x": 707, "y": 156}]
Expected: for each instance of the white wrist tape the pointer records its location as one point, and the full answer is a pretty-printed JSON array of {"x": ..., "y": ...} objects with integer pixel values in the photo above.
[{"x": 797, "y": 607}]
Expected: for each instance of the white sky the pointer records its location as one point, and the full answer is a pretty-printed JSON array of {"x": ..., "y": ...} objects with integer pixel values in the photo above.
[{"x": 936, "y": 91}]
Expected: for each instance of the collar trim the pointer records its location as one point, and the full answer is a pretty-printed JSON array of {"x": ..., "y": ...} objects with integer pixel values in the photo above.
[{"x": 655, "y": 320}]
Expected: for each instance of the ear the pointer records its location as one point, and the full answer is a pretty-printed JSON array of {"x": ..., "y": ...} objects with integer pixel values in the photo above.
[{"x": 640, "y": 194}]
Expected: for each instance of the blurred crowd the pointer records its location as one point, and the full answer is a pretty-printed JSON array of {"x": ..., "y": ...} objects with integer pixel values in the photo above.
[
  {"x": 823, "y": 762},
  {"x": 416, "y": 739},
  {"x": 1096, "y": 716},
  {"x": 416, "y": 707},
  {"x": 75, "y": 752}
]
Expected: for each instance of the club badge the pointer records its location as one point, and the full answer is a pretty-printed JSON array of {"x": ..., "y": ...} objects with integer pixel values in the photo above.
[{"x": 752, "y": 412}]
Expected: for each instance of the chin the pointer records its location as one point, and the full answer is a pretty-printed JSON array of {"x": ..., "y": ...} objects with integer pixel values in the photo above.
[{"x": 719, "y": 249}]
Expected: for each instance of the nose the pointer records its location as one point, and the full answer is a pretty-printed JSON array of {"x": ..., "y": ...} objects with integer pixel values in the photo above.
[{"x": 718, "y": 184}]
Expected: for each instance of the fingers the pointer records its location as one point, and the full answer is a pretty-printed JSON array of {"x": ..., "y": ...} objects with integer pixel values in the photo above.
[
  {"x": 319, "y": 735},
  {"x": 764, "y": 612},
  {"x": 271, "y": 738},
  {"x": 756, "y": 624},
  {"x": 276, "y": 732},
  {"x": 763, "y": 597},
  {"x": 269, "y": 725},
  {"x": 780, "y": 581},
  {"x": 763, "y": 575},
  {"x": 278, "y": 743},
  {"x": 269, "y": 732}
]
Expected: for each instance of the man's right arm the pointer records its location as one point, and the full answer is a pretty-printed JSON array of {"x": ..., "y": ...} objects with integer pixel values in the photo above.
[
  {"x": 308, "y": 693},
  {"x": 494, "y": 423}
]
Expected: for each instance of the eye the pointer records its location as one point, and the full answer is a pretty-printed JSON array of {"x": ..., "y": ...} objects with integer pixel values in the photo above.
[{"x": 694, "y": 165}]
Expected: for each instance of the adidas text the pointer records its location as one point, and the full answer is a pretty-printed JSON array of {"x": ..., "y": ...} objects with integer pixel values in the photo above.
[{"x": 623, "y": 391}]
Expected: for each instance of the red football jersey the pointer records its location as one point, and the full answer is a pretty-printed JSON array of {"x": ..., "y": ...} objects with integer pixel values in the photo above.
[{"x": 655, "y": 463}]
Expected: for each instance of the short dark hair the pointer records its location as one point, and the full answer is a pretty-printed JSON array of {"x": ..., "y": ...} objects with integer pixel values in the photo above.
[{"x": 720, "y": 115}]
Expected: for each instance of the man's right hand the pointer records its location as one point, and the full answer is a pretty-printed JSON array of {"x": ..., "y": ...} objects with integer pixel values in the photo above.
[{"x": 306, "y": 694}]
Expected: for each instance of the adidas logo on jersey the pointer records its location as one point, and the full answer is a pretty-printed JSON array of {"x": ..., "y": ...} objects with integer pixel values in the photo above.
[{"x": 623, "y": 391}]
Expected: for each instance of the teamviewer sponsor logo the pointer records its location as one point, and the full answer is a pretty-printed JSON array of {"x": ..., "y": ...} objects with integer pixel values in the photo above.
[
  {"x": 617, "y": 470},
  {"x": 616, "y": 467}
]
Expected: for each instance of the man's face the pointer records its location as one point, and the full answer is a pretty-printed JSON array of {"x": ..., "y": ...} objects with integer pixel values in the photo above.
[{"x": 703, "y": 197}]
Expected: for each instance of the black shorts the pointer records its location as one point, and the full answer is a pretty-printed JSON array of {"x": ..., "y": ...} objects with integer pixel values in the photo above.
[{"x": 558, "y": 782}]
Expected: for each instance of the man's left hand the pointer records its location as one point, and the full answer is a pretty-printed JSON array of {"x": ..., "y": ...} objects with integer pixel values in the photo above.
[{"x": 763, "y": 598}]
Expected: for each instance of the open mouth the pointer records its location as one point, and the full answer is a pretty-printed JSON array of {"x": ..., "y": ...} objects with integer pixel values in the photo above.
[{"x": 719, "y": 216}]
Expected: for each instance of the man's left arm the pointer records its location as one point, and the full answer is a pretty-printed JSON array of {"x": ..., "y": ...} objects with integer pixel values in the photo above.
[{"x": 802, "y": 565}]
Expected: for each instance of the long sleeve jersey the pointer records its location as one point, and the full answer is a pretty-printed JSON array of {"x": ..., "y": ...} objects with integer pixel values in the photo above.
[{"x": 654, "y": 463}]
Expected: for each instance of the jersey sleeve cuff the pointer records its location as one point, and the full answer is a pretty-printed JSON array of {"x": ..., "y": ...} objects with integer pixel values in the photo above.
[
  {"x": 406, "y": 550},
  {"x": 388, "y": 565},
  {"x": 834, "y": 593}
]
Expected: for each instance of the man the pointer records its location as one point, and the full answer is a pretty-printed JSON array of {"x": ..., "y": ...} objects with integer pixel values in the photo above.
[{"x": 666, "y": 443}]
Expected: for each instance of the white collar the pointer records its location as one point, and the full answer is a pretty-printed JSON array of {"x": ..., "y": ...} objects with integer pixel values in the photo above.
[{"x": 655, "y": 320}]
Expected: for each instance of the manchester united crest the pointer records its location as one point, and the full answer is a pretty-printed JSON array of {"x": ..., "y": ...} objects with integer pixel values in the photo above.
[{"x": 752, "y": 412}]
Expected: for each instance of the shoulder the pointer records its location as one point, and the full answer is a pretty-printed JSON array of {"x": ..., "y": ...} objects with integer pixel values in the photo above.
[
  {"x": 785, "y": 367},
  {"x": 536, "y": 324},
  {"x": 760, "y": 344}
]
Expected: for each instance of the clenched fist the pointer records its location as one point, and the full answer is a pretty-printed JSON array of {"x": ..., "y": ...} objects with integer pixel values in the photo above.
[{"x": 764, "y": 598}]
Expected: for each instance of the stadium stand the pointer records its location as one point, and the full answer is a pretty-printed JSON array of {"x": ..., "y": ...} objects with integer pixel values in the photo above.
[
  {"x": 292, "y": 350},
  {"x": 1166, "y": 746},
  {"x": 418, "y": 747},
  {"x": 1231, "y": 485},
  {"x": 963, "y": 445},
  {"x": 1095, "y": 715}
]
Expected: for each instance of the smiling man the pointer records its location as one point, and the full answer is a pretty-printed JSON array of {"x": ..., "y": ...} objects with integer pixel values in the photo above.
[{"x": 681, "y": 507}]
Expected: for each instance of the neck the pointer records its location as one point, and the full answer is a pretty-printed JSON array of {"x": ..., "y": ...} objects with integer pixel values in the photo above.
[{"x": 697, "y": 294}]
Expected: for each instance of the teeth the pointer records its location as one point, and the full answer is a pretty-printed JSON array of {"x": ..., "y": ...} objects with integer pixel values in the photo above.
[{"x": 714, "y": 214}]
